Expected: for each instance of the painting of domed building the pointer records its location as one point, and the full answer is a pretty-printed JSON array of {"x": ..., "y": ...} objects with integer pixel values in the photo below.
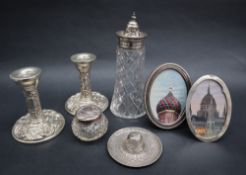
[
  {"x": 208, "y": 115},
  {"x": 168, "y": 97},
  {"x": 168, "y": 108}
]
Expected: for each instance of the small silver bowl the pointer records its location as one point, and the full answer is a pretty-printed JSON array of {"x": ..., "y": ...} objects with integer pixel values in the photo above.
[{"x": 89, "y": 123}]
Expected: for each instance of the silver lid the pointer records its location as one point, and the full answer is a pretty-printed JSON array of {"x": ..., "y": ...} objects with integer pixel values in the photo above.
[
  {"x": 132, "y": 37},
  {"x": 88, "y": 113},
  {"x": 134, "y": 147}
]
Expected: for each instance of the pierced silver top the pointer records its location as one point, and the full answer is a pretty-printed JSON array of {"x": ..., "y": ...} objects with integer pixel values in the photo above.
[
  {"x": 25, "y": 73},
  {"x": 88, "y": 113},
  {"x": 132, "y": 37},
  {"x": 134, "y": 147}
]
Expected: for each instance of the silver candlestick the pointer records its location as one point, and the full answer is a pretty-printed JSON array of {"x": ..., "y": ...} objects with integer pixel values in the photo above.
[
  {"x": 83, "y": 61},
  {"x": 37, "y": 125}
]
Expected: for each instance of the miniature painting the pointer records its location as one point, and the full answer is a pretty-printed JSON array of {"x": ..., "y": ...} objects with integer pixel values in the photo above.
[
  {"x": 166, "y": 96},
  {"x": 208, "y": 109}
]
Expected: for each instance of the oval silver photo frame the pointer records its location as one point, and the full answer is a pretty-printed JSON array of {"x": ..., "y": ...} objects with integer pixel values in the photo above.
[
  {"x": 165, "y": 95},
  {"x": 208, "y": 108}
]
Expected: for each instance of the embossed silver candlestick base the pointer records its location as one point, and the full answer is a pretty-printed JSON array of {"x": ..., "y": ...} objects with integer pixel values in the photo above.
[
  {"x": 27, "y": 130},
  {"x": 83, "y": 62},
  {"x": 37, "y": 125},
  {"x": 75, "y": 102}
]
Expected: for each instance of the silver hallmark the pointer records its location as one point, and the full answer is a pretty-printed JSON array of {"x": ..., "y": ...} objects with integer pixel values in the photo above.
[
  {"x": 37, "y": 125},
  {"x": 83, "y": 61},
  {"x": 134, "y": 147}
]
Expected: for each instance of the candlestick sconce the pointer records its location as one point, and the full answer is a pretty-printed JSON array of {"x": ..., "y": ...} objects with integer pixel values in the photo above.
[
  {"x": 37, "y": 125},
  {"x": 83, "y": 61}
]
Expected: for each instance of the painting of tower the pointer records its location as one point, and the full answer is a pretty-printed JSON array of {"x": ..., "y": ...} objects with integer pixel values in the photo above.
[{"x": 208, "y": 121}]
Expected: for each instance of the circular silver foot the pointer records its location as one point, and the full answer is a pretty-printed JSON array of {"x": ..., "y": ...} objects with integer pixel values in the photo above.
[
  {"x": 28, "y": 130},
  {"x": 75, "y": 102}
]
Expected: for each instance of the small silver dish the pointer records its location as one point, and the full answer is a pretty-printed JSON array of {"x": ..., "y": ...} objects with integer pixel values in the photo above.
[
  {"x": 134, "y": 147},
  {"x": 89, "y": 123}
]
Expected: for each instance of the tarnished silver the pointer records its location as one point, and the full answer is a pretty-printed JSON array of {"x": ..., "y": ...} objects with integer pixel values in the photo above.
[
  {"x": 211, "y": 137},
  {"x": 37, "y": 125},
  {"x": 83, "y": 61},
  {"x": 134, "y": 147},
  {"x": 127, "y": 100},
  {"x": 89, "y": 123}
]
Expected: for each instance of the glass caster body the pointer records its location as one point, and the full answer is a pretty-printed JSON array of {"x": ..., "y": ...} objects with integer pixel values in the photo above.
[{"x": 128, "y": 96}]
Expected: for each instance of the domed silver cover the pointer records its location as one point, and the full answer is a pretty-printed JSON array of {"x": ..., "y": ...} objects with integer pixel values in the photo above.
[{"x": 134, "y": 147}]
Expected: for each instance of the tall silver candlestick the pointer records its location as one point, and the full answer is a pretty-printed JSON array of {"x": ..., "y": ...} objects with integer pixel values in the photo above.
[
  {"x": 127, "y": 100},
  {"x": 37, "y": 125},
  {"x": 83, "y": 61}
]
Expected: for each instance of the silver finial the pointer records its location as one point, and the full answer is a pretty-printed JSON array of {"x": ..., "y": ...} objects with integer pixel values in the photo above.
[
  {"x": 134, "y": 17},
  {"x": 131, "y": 37}
]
